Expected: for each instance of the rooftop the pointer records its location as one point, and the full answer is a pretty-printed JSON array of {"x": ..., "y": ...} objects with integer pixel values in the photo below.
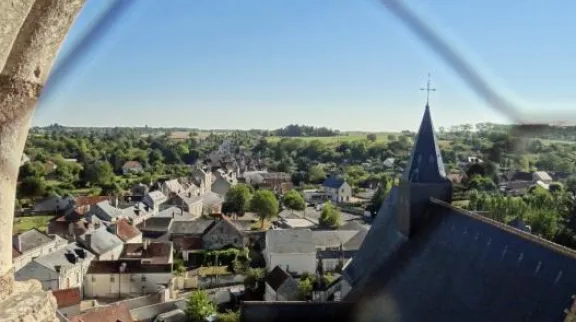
[
  {"x": 112, "y": 313},
  {"x": 67, "y": 297},
  {"x": 124, "y": 230},
  {"x": 70, "y": 255},
  {"x": 30, "y": 239},
  {"x": 298, "y": 241},
  {"x": 129, "y": 266}
]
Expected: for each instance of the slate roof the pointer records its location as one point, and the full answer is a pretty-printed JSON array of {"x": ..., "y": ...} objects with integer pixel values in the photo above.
[
  {"x": 425, "y": 165},
  {"x": 334, "y": 182},
  {"x": 177, "y": 213},
  {"x": 67, "y": 297},
  {"x": 29, "y": 240},
  {"x": 290, "y": 242},
  {"x": 296, "y": 311},
  {"x": 100, "y": 240},
  {"x": 154, "y": 197},
  {"x": 111, "y": 313},
  {"x": 104, "y": 207},
  {"x": 189, "y": 200},
  {"x": 195, "y": 227},
  {"x": 71, "y": 254},
  {"x": 277, "y": 277},
  {"x": 332, "y": 238},
  {"x": 158, "y": 252},
  {"x": 465, "y": 267},
  {"x": 157, "y": 224}
]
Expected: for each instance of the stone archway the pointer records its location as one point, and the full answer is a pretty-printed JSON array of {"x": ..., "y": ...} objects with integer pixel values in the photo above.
[{"x": 31, "y": 32}]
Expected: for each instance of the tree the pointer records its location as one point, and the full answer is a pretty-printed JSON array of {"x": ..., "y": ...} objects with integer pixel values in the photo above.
[
  {"x": 32, "y": 187},
  {"x": 330, "y": 216},
  {"x": 316, "y": 174},
  {"x": 237, "y": 199},
  {"x": 199, "y": 306},
  {"x": 98, "y": 173},
  {"x": 264, "y": 204},
  {"x": 293, "y": 200},
  {"x": 305, "y": 288},
  {"x": 379, "y": 196},
  {"x": 371, "y": 137}
]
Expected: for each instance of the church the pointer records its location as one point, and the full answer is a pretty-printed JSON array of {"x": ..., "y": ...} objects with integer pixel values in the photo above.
[{"x": 425, "y": 260}]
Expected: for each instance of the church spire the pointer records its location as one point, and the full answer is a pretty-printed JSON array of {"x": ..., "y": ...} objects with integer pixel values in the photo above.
[{"x": 425, "y": 164}]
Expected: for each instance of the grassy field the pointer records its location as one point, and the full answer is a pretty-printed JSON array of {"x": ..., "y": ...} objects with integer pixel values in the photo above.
[
  {"x": 352, "y": 136},
  {"x": 22, "y": 224}
]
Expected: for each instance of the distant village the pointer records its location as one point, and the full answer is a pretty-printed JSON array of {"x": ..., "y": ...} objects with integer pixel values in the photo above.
[{"x": 143, "y": 253}]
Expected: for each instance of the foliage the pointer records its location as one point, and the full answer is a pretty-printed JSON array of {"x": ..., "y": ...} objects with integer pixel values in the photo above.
[
  {"x": 264, "y": 204},
  {"x": 330, "y": 216},
  {"x": 229, "y": 316},
  {"x": 378, "y": 198},
  {"x": 179, "y": 266},
  {"x": 293, "y": 200},
  {"x": 22, "y": 224},
  {"x": 316, "y": 174},
  {"x": 254, "y": 276},
  {"x": 99, "y": 173},
  {"x": 237, "y": 199},
  {"x": 303, "y": 130},
  {"x": 305, "y": 287},
  {"x": 32, "y": 187},
  {"x": 199, "y": 306}
]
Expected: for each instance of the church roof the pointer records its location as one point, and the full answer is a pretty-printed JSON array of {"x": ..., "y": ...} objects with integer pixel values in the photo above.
[
  {"x": 425, "y": 164},
  {"x": 464, "y": 267}
]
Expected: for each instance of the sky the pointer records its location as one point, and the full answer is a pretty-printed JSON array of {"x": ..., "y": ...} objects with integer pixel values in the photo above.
[{"x": 342, "y": 64}]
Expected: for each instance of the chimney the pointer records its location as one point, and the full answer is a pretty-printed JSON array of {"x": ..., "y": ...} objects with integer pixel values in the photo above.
[{"x": 145, "y": 244}]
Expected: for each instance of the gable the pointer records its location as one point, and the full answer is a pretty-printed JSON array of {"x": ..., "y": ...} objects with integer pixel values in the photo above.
[{"x": 223, "y": 227}]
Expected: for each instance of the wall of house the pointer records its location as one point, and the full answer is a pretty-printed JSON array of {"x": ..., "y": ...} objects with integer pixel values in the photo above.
[
  {"x": 28, "y": 256},
  {"x": 115, "y": 285},
  {"x": 221, "y": 235},
  {"x": 112, "y": 254},
  {"x": 293, "y": 263},
  {"x": 196, "y": 209},
  {"x": 286, "y": 292},
  {"x": 345, "y": 192},
  {"x": 270, "y": 295}
]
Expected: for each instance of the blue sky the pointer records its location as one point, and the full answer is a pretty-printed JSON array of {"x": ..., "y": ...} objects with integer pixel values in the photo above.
[{"x": 344, "y": 64}]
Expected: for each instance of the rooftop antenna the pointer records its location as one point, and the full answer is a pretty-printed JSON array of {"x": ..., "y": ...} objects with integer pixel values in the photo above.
[{"x": 428, "y": 89}]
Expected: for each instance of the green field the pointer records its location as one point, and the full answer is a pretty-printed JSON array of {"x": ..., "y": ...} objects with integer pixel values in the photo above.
[
  {"x": 351, "y": 136},
  {"x": 22, "y": 224}
]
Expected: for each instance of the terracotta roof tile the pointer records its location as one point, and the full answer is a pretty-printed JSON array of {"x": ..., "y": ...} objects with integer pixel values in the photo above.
[
  {"x": 112, "y": 313},
  {"x": 89, "y": 200},
  {"x": 67, "y": 297},
  {"x": 125, "y": 231}
]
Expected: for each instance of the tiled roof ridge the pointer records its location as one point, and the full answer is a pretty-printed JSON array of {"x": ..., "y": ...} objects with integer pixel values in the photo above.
[{"x": 522, "y": 234}]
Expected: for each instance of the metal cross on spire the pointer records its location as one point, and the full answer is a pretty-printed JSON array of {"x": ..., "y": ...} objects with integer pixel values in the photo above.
[{"x": 428, "y": 90}]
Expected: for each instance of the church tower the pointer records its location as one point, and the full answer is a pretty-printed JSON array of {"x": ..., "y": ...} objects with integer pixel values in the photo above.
[{"x": 424, "y": 177}]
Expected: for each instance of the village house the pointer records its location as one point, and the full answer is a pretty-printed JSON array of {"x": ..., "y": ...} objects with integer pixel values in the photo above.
[
  {"x": 335, "y": 247},
  {"x": 156, "y": 228},
  {"x": 212, "y": 203},
  {"x": 154, "y": 199},
  {"x": 337, "y": 189},
  {"x": 127, "y": 278},
  {"x": 139, "y": 190},
  {"x": 104, "y": 211},
  {"x": 31, "y": 244},
  {"x": 125, "y": 231},
  {"x": 148, "y": 252},
  {"x": 135, "y": 213},
  {"x": 193, "y": 236},
  {"x": 188, "y": 202},
  {"x": 132, "y": 167},
  {"x": 292, "y": 250},
  {"x": 175, "y": 213},
  {"x": 68, "y": 301},
  {"x": 52, "y": 204},
  {"x": 202, "y": 178},
  {"x": 171, "y": 187},
  {"x": 280, "y": 286},
  {"x": 60, "y": 269},
  {"x": 105, "y": 245},
  {"x": 119, "y": 312}
]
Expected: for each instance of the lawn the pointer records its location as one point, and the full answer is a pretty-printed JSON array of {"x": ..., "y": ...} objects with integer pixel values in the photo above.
[
  {"x": 259, "y": 226},
  {"x": 22, "y": 224}
]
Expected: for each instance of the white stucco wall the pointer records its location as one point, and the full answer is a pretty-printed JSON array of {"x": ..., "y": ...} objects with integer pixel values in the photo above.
[
  {"x": 113, "y": 285},
  {"x": 112, "y": 254}
]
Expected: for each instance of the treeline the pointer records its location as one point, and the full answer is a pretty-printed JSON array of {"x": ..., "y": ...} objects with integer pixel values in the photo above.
[{"x": 294, "y": 130}]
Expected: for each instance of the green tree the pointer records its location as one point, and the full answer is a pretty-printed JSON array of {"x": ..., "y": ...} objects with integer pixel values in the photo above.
[
  {"x": 32, "y": 187},
  {"x": 98, "y": 173},
  {"x": 253, "y": 278},
  {"x": 330, "y": 216},
  {"x": 371, "y": 137},
  {"x": 237, "y": 199},
  {"x": 264, "y": 204},
  {"x": 379, "y": 196},
  {"x": 305, "y": 288},
  {"x": 293, "y": 200},
  {"x": 199, "y": 306},
  {"x": 316, "y": 174},
  {"x": 32, "y": 169}
]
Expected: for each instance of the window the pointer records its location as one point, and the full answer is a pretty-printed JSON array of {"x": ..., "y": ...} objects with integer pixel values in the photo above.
[
  {"x": 143, "y": 278},
  {"x": 112, "y": 278},
  {"x": 93, "y": 279}
]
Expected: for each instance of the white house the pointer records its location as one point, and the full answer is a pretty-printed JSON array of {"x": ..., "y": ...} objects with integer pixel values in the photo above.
[
  {"x": 292, "y": 250},
  {"x": 60, "y": 269},
  {"x": 114, "y": 279},
  {"x": 337, "y": 188},
  {"x": 280, "y": 286},
  {"x": 31, "y": 244},
  {"x": 154, "y": 199}
]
